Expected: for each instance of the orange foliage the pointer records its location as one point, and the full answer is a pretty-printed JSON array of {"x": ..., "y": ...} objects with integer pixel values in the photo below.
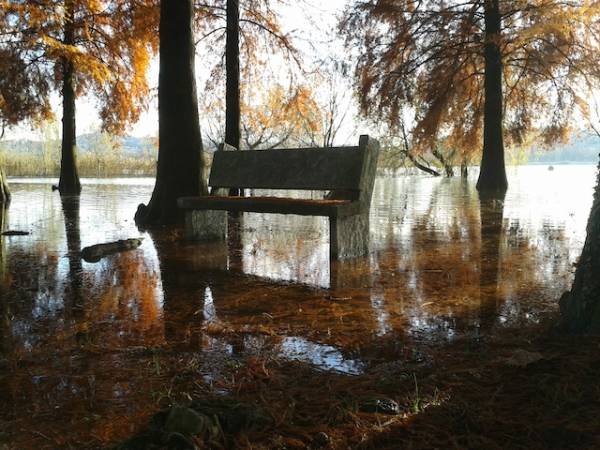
[
  {"x": 429, "y": 55},
  {"x": 275, "y": 118},
  {"x": 114, "y": 41}
]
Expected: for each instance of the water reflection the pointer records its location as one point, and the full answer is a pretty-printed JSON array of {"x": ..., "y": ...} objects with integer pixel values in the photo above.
[
  {"x": 322, "y": 356},
  {"x": 71, "y": 206},
  {"x": 491, "y": 209},
  {"x": 444, "y": 263}
]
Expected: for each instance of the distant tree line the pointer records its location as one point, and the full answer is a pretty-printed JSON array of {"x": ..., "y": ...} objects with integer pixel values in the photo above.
[{"x": 100, "y": 155}]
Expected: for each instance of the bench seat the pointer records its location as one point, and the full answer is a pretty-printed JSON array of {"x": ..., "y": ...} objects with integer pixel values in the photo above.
[{"x": 275, "y": 205}]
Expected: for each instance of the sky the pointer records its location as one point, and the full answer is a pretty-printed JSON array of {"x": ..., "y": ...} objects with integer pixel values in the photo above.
[{"x": 304, "y": 22}]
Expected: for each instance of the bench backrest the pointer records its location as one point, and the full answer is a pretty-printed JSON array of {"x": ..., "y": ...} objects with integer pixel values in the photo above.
[{"x": 336, "y": 169}]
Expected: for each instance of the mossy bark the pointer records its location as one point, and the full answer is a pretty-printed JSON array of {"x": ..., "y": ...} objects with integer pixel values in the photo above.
[
  {"x": 580, "y": 307},
  {"x": 180, "y": 169}
]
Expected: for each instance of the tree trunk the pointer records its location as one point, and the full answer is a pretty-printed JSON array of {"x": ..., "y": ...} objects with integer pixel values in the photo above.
[
  {"x": 69, "y": 178},
  {"x": 492, "y": 176},
  {"x": 448, "y": 169},
  {"x": 410, "y": 156},
  {"x": 232, "y": 84},
  {"x": 580, "y": 307},
  {"x": 420, "y": 166},
  {"x": 180, "y": 169},
  {"x": 4, "y": 191},
  {"x": 464, "y": 170}
]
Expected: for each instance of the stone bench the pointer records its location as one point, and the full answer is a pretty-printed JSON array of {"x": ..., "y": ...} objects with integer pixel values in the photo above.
[{"x": 347, "y": 172}]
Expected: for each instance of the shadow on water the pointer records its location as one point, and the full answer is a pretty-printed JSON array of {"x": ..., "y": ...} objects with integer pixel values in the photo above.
[{"x": 96, "y": 348}]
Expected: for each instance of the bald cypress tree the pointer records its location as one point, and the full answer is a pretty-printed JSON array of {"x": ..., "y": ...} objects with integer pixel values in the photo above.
[
  {"x": 478, "y": 74},
  {"x": 180, "y": 164}
]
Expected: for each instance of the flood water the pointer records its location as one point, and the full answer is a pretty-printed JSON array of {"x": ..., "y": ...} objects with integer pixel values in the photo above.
[{"x": 85, "y": 347}]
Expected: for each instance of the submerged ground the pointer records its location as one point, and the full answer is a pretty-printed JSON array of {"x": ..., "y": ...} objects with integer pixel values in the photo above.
[{"x": 450, "y": 316}]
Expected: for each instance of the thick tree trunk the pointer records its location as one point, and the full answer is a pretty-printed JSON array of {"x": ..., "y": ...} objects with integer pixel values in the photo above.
[
  {"x": 492, "y": 176},
  {"x": 69, "y": 179},
  {"x": 4, "y": 191},
  {"x": 580, "y": 307},
  {"x": 232, "y": 84},
  {"x": 464, "y": 170},
  {"x": 180, "y": 170}
]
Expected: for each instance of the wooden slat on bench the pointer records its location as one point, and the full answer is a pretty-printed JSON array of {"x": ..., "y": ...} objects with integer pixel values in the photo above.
[
  {"x": 303, "y": 207},
  {"x": 323, "y": 169}
]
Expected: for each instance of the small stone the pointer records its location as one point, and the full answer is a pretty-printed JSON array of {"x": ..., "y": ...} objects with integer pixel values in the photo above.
[
  {"x": 321, "y": 439},
  {"x": 234, "y": 417},
  {"x": 177, "y": 441},
  {"x": 186, "y": 421},
  {"x": 523, "y": 358},
  {"x": 379, "y": 405}
]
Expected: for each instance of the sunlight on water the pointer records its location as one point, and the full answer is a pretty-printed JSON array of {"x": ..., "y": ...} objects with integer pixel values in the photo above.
[{"x": 443, "y": 265}]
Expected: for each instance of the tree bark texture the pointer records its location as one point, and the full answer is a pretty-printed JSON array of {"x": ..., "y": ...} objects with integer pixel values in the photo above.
[
  {"x": 492, "y": 176},
  {"x": 232, "y": 67},
  {"x": 232, "y": 83},
  {"x": 580, "y": 307},
  {"x": 69, "y": 178},
  {"x": 4, "y": 191},
  {"x": 180, "y": 169}
]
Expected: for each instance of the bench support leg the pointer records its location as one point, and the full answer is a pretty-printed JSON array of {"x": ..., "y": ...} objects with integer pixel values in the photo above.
[
  {"x": 206, "y": 225},
  {"x": 348, "y": 236}
]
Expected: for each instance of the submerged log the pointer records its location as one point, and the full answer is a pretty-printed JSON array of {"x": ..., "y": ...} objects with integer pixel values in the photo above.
[
  {"x": 95, "y": 253},
  {"x": 15, "y": 233}
]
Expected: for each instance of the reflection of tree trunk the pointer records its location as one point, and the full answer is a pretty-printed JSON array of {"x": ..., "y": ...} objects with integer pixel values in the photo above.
[
  {"x": 235, "y": 246},
  {"x": 5, "y": 334},
  {"x": 71, "y": 206},
  {"x": 580, "y": 307},
  {"x": 179, "y": 310},
  {"x": 492, "y": 176},
  {"x": 491, "y": 213},
  {"x": 69, "y": 178},
  {"x": 180, "y": 163}
]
